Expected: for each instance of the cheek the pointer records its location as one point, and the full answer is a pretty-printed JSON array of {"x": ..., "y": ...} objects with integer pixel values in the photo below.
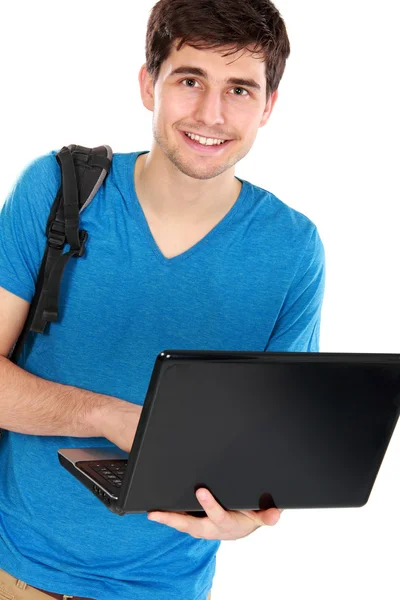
[
  {"x": 182, "y": 107},
  {"x": 244, "y": 119},
  {"x": 174, "y": 107}
]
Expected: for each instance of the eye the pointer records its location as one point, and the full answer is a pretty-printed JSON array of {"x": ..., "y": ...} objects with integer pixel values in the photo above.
[
  {"x": 191, "y": 80},
  {"x": 246, "y": 93}
]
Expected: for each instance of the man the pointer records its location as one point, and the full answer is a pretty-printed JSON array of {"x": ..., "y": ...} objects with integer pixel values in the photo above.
[{"x": 181, "y": 253}]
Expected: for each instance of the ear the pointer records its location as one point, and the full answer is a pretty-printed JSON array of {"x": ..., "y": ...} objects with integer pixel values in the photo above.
[
  {"x": 268, "y": 108},
  {"x": 146, "y": 88}
]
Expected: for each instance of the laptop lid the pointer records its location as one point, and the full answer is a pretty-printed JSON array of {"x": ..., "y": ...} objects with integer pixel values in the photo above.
[{"x": 292, "y": 430}]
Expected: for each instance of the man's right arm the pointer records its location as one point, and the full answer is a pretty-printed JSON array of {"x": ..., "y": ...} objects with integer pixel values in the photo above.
[{"x": 32, "y": 405}]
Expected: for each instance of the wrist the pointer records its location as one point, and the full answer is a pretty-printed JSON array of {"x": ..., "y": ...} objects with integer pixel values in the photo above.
[{"x": 99, "y": 414}]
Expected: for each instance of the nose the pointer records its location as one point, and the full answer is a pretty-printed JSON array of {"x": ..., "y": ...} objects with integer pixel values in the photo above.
[{"x": 209, "y": 109}]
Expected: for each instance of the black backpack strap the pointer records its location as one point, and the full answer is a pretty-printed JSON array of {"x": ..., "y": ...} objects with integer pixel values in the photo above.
[{"x": 83, "y": 171}]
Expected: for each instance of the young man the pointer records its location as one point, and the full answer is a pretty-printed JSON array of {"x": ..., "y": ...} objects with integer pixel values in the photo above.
[{"x": 181, "y": 254}]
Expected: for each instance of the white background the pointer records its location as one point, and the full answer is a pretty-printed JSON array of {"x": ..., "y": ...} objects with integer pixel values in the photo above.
[{"x": 69, "y": 75}]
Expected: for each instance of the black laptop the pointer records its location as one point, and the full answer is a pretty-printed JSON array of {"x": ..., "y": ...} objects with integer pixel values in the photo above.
[{"x": 289, "y": 430}]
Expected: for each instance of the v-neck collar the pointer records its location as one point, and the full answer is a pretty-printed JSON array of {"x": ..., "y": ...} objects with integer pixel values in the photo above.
[{"x": 143, "y": 225}]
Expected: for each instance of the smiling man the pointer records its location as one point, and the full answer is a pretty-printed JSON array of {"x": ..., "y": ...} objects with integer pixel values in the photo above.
[
  {"x": 207, "y": 109},
  {"x": 181, "y": 254},
  {"x": 216, "y": 109}
]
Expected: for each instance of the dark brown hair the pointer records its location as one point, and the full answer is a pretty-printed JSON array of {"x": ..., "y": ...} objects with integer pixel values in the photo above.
[{"x": 206, "y": 24}]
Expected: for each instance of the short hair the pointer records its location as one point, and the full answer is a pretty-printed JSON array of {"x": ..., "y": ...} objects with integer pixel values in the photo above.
[{"x": 206, "y": 24}]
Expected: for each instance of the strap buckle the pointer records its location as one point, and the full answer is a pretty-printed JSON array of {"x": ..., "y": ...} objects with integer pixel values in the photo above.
[{"x": 56, "y": 235}]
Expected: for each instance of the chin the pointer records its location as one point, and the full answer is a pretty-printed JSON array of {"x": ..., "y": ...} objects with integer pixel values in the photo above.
[
  {"x": 207, "y": 169},
  {"x": 192, "y": 170}
]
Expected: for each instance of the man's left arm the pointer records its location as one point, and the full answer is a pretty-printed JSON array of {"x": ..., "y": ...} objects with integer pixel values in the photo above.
[{"x": 297, "y": 327}]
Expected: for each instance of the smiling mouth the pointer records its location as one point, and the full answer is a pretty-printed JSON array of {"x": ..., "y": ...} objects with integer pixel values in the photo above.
[{"x": 205, "y": 141}]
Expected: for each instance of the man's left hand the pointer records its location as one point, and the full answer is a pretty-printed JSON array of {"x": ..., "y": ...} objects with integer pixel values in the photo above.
[{"x": 219, "y": 523}]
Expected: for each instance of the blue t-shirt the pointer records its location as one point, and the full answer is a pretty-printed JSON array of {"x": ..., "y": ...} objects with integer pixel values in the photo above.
[{"x": 254, "y": 282}]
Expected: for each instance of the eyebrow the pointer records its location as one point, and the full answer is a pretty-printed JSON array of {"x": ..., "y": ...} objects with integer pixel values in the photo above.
[{"x": 188, "y": 70}]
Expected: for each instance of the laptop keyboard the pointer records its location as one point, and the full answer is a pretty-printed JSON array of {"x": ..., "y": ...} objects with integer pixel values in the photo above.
[{"x": 112, "y": 471}]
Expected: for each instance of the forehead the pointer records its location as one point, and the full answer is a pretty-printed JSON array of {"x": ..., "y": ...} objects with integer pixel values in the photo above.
[{"x": 218, "y": 67}]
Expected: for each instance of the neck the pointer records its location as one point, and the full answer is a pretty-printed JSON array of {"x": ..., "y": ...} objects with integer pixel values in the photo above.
[{"x": 168, "y": 194}]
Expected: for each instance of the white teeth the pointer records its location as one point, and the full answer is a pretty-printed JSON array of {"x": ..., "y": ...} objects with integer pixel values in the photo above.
[{"x": 205, "y": 141}]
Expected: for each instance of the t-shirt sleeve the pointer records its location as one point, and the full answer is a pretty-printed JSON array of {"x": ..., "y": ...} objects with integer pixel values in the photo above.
[
  {"x": 23, "y": 219},
  {"x": 297, "y": 328}
]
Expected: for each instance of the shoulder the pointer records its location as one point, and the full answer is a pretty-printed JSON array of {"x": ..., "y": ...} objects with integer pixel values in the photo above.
[
  {"x": 37, "y": 185},
  {"x": 23, "y": 220},
  {"x": 41, "y": 170},
  {"x": 123, "y": 160},
  {"x": 277, "y": 221},
  {"x": 272, "y": 206}
]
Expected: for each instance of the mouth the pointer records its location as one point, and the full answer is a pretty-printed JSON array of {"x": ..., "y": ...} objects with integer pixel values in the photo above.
[{"x": 203, "y": 144}]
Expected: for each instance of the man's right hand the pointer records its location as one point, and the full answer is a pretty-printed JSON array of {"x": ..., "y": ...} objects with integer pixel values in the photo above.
[
  {"x": 36, "y": 406},
  {"x": 117, "y": 420}
]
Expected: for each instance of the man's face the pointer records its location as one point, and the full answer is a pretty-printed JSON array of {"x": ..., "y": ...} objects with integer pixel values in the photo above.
[{"x": 223, "y": 98}]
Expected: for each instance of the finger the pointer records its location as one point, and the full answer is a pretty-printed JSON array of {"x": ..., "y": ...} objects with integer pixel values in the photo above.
[
  {"x": 254, "y": 516},
  {"x": 218, "y": 515},
  {"x": 180, "y": 522},
  {"x": 263, "y": 517},
  {"x": 270, "y": 517}
]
